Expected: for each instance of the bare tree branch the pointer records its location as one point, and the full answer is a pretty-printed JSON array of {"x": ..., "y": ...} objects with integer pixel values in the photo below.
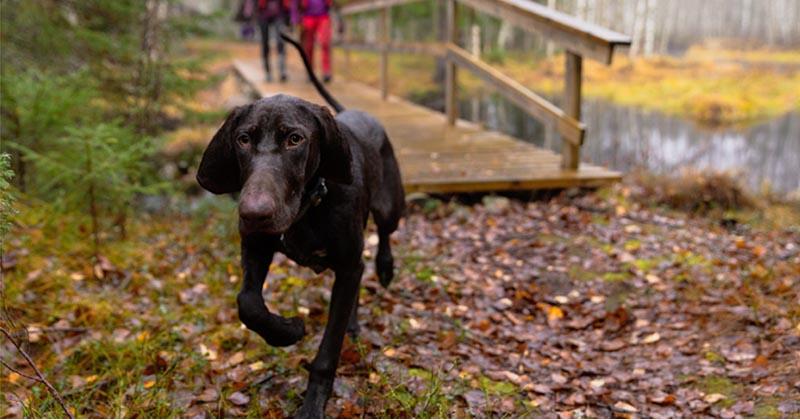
[
  {"x": 39, "y": 374},
  {"x": 24, "y": 375}
]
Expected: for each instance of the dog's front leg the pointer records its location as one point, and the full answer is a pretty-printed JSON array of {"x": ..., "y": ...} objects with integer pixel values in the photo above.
[
  {"x": 257, "y": 253},
  {"x": 322, "y": 370}
]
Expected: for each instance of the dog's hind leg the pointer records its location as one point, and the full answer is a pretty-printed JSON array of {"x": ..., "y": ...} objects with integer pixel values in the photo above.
[
  {"x": 352, "y": 326},
  {"x": 387, "y": 206},
  {"x": 384, "y": 261}
]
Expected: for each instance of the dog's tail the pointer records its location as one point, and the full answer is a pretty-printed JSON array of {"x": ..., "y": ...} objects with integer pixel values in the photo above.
[{"x": 320, "y": 87}]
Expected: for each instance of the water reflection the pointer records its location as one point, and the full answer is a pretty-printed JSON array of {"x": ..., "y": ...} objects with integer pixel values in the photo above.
[{"x": 626, "y": 138}]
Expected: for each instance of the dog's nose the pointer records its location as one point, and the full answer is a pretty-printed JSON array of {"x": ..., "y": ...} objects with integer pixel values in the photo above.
[{"x": 256, "y": 210}]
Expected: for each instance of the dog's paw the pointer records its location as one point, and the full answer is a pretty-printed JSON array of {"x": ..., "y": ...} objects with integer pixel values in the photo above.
[
  {"x": 304, "y": 413},
  {"x": 286, "y": 331},
  {"x": 385, "y": 273},
  {"x": 313, "y": 408}
]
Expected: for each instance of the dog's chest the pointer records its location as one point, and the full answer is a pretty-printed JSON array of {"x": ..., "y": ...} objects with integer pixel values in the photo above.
[{"x": 305, "y": 247}]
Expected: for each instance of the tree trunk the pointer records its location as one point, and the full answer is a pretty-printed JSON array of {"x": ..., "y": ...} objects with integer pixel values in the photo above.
[
  {"x": 550, "y": 46},
  {"x": 440, "y": 16},
  {"x": 638, "y": 23},
  {"x": 649, "y": 29}
]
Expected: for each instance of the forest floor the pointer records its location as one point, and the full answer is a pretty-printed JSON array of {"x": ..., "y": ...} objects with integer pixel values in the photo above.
[
  {"x": 582, "y": 306},
  {"x": 576, "y": 305}
]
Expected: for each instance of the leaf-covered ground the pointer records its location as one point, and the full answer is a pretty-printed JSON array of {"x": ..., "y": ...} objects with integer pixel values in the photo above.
[{"x": 577, "y": 306}]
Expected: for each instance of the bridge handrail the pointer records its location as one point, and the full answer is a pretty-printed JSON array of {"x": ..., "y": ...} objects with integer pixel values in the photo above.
[
  {"x": 569, "y": 128},
  {"x": 578, "y": 38},
  {"x": 586, "y": 39}
]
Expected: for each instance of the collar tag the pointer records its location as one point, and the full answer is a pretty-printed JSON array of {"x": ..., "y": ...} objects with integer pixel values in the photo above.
[{"x": 319, "y": 192}]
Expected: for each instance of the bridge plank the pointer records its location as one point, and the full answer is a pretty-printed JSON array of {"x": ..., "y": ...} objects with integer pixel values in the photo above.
[{"x": 435, "y": 157}]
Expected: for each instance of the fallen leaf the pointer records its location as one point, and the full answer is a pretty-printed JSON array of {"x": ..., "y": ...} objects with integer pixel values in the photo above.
[
  {"x": 759, "y": 251},
  {"x": 625, "y": 407},
  {"x": 237, "y": 358},
  {"x": 34, "y": 333},
  {"x": 206, "y": 352},
  {"x": 238, "y": 398},
  {"x": 558, "y": 378},
  {"x": 554, "y": 313},
  {"x": 632, "y": 229},
  {"x": 652, "y": 278},
  {"x": 714, "y": 398},
  {"x": 613, "y": 345},
  {"x": 760, "y": 362},
  {"x": 597, "y": 383},
  {"x": 652, "y": 338},
  {"x": 208, "y": 395},
  {"x": 662, "y": 398},
  {"x": 350, "y": 355},
  {"x": 512, "y": 377},
  {"x": 538, "y": 388},
  {"x": 449, "y": 340},
  {"x": 149, "y": 384}
]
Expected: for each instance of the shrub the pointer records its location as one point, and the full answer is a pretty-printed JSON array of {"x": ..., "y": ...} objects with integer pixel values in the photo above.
[{"x": 694, "y": 191}]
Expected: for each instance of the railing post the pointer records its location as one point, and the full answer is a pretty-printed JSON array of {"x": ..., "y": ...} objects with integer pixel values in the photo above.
[
  {"x": 346, "y": 38},
  {"x": 451, "y": 77},
  {"x": 385, "y": 52},
  {"x": 572, "y": 106}
]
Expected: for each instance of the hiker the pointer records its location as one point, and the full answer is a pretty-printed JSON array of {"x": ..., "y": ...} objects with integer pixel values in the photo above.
[
  {"x": 316, "y": 27},
  {"x": 271, "y": 16}
]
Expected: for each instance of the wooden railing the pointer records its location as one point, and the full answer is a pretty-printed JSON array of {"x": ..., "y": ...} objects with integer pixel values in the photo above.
[{"x": 579, "y": 39}]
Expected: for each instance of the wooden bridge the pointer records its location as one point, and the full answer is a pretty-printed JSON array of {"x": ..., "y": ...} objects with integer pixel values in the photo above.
[{"x": 438, "y": 153}]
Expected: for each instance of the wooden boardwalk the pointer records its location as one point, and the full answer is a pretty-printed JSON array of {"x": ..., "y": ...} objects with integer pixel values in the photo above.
[{"x": 435, "y": 157}]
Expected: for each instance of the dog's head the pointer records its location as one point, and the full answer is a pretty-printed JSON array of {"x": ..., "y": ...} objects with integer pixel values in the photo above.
[{"x": 269, "y": 150}]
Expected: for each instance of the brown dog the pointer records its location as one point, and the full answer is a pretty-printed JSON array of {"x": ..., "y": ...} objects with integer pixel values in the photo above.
[{"x": 308, "y": 183}]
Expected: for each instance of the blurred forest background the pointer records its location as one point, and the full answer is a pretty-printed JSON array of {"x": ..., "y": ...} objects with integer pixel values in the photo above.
[{"x": 119, "y": 274}]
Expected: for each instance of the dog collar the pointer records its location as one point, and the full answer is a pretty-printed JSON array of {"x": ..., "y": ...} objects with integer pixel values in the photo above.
[{"x": 313, "y": 196}]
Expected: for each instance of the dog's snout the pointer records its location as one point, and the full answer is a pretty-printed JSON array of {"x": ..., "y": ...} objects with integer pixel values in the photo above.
[{"x": 256, "y": 210}]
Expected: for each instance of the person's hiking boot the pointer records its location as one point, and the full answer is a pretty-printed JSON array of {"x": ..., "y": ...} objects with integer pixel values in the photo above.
[
  {"x": 282, "y": 66},
  {"x": 327, "y": 78}
]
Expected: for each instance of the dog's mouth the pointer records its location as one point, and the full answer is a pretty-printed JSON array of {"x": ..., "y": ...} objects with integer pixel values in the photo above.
[
  {"x": 266, "y": 225},
  {"x": 272, "y": 223}
]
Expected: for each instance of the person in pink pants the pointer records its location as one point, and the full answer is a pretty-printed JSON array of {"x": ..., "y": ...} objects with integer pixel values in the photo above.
[{"x": 316, "y": 27}]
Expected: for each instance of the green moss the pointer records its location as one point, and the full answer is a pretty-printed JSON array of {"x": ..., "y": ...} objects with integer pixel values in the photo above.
[
  {"x": 690, "y": 259},
  {"x": 647, "y": 265},
  {"x": 617, "y": 276},
  {"x": 714, "y": 357},
  {"x": 420, "y": 373},
  {"x": 767, "y": 410},
  {"x": 716, "y": 384},
  {"x": 496, "y": 387},
  {"x": 576, "y": 272}
]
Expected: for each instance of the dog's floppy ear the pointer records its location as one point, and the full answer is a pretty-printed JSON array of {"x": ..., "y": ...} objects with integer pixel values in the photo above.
[
  {"x": 219, "y": 168},
  {"x": 335, "y": 158}
]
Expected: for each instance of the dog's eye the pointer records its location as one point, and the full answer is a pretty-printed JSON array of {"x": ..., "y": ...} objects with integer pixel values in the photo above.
[
  {"x": 295, "y": 139},
  {"x": 243, "y": 139}
]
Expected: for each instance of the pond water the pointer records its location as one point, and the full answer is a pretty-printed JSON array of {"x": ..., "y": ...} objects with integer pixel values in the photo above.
[{"x": 626, "y": 138}]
